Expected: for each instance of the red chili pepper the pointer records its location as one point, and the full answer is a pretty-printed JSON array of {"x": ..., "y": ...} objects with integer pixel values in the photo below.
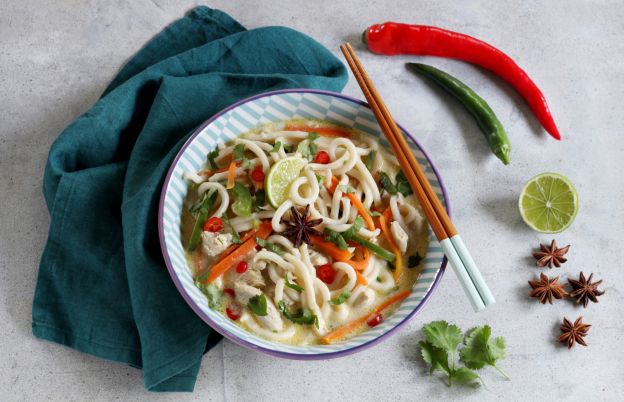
[
  {"x": 242, "y": 266},
  {"x": 375, "y": 320},
  {"x": 392, "y": 38},
  {"x": 214, "y": 224},
  {"x": 257, "y": 174},
  {"x": 326, "y": 273},
  {"x": 232, "y": 313},
  {"x": 230, "y": 292},
  {"x": 322, "y": 157}
]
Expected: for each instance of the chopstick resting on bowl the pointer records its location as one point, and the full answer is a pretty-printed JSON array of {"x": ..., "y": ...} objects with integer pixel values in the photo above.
[{"x": 441, "y": 224}]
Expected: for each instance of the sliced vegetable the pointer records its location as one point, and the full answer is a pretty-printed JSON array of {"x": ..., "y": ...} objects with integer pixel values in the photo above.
[
  {"x": 380, "y": 251},
  {"x": 276, "y": 147},
  {"x": 214, "y": 224},
  {"x": 233, "y": 314},
  {"x": 240, "y": 253},
  {"x": 355, "y": 201},
  {"x": 207, "y": 201},
  {"x": 322, "y": 157},
  {"x": 242, "y": 267},
  {"x": 360, "y": 259},
  {"x": 276, "y": 248},
  {"x": 340, "y": 299},
  {"x": 489, "y": 124},
  {"x": 303, "y": 317},
  {"x": 324, "y": 131},
  {"x": 212, "y": 293},
  {"x": 341, "y": 332},
  {"x": 258, "y": 175},
  {"x": 259, "y": 200},
  {"x": 241, "y": 205},
  {"x": 398, "y": 261},
  {"x": 326, "y": 273},
  {"x": 231, "y": 175},
  {"x": 293, "y": 286},
  {"x": 330, "y": 249},
  {"x": 230, "y": 292},
  {"x": 369, "y": 160},
  {"x": 258, "y": 305},
  {"x": 375, "y": 320},
  {"x": 359, "y": 278},
  {"x": 402, "y": 185}
]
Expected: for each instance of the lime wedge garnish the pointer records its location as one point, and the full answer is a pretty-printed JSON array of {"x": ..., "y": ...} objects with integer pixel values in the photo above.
[
  {"x": 281, "y": 175},
  {"x": 548, "y": 203}
]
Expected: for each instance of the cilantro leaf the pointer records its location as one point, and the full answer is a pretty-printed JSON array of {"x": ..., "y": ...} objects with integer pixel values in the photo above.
[
  {"x": 319, "y": 178},
  {"x": 442, "y": 335},
  {"x": 436, "y": 357},
  {"x": 464, "y": 376},
  {"x": 480, "y": 350},
  {"x": 313, "y": 135},
  {"x": 386, "y": 183},
  {"x": 259, "y": 200},
  {"x": 303, "y": 317},
  {"x": 369, "y": 160},
  {"x": 212, "y": 155},
  {"x": 313, "y": 149},
  {"x": 293, "y": 286},
  {"x": 238, "y": 153},
  {"x": 358, "y": 224},
  {"x": 402, "y": 185},
  {"x": 414, "y": 260},
  {"x": 258, "y": 305},
  {"x": 340, "y": 299}
]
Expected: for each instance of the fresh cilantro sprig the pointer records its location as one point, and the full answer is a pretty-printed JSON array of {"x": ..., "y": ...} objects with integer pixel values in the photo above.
[
  {"x": 400, "y": 185},
  {"x": 442, "y": 341},
  {"x": 308, "y": 148}
]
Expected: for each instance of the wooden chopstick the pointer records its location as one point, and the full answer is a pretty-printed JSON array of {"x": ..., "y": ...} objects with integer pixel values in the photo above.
[
  {"x": 388, "y": 126},
  {"x": 441, "y": 224}
]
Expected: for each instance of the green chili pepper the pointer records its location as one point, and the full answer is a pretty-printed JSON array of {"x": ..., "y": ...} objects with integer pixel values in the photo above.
[
  {"x": 477, "y": 106},
  {"x": 380, "y": 251}
]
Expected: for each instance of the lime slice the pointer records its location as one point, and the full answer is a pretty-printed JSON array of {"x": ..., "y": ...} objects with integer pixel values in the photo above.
[
  {"x": 281, "y": 175},
  {"x": 548, "y": 203}
]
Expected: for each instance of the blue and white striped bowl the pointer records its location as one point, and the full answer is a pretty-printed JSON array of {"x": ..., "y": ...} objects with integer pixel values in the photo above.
[{"x": 230, "y": 123}]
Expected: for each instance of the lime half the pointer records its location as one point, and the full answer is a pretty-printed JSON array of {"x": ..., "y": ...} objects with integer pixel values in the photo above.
[
  {"x": 281, "y": 175},
  {"x": 548, "y": 203}
]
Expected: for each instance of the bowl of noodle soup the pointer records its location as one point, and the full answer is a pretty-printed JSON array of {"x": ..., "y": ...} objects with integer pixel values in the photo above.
[{"x": 286, "y": 225}]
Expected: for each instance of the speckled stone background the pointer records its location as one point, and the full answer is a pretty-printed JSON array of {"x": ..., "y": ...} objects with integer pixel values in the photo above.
[{"x": 56, "y": 57}]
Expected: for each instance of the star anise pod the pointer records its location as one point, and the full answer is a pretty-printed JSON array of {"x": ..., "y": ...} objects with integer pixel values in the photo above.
[
  {"x": 574, "y": 333},
  {"x": 551, "y": 255},
  {"x": 299, "y": 227},
  {"x": 585, "y": 290},
  {"x": 546, "y": 288}
]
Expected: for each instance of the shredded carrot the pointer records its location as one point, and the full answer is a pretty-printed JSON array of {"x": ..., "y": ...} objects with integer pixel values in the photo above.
[
  {"x": 359, "y": 278},
  {"x": 353, "y": 325},
  {"x": 231, "y": 175},
  {"x": 239, "y": 254},
  {"x": 234, "y": 246},
  {"x": 398, "y": 262},
  {"x": 361, "y": 263},
  {"x": 324, "y": 131},
  {"x": 330, "y": 249},
  {"x": 370, "y": 225}
]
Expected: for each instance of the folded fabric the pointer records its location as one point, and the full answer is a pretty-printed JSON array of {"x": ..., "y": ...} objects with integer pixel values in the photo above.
[{"x": 103, "y": 287}]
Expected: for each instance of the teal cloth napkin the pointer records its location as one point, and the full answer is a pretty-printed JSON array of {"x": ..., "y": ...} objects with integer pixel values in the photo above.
[{"x": 103, "y": 287}]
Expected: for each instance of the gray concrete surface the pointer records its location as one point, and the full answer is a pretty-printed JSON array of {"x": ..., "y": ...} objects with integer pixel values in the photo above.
[{"x": 56, "y": 58}]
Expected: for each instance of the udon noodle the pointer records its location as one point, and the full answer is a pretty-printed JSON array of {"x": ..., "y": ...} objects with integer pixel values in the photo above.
[{"x": 313, "y": 259}]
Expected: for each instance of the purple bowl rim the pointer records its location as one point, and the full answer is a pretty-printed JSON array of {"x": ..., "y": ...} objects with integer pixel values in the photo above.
[{"x": 243, "y": 342}]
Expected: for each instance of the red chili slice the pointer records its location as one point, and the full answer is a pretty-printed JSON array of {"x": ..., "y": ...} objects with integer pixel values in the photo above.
[
  {"x": 232, "y": 313},
  {"x": 376, "y": 320},
  {"x": 230, "y": 292},
  {"x": 321, "y": 157},
  {"x": 214, "y": 224},
  {"x": 257, "y": 174},
  {"x": 326, "y": 273},
  {"x": 242, "y": 266}
]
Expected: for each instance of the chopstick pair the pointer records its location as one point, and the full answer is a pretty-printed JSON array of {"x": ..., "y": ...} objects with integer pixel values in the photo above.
[{"x": 442, "y": 226}]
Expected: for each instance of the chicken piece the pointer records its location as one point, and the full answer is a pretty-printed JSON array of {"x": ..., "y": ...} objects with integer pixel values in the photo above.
[
  {"x": 317, "y": 258},
  {"x": 251, "y": 277},
  {"x": 400, "y": 237},
  {"x": 213, "y": 244},
  {"x": 273, "y": 320}
]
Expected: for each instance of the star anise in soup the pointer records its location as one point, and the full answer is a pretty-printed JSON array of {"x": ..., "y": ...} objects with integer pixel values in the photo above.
[{"x": 300, "y": 227}]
